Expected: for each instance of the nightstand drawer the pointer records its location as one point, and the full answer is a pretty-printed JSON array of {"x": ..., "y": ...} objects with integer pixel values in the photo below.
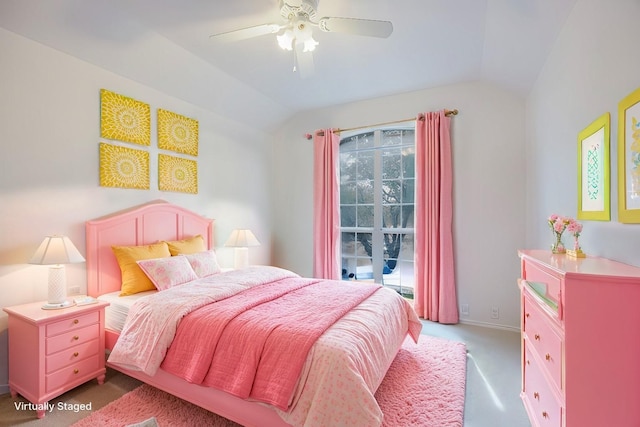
[
  {"x": 70, "y": 374},
  {"x": 71, "y": 355},
  {"x": 72, "y": 338},
  {"x": 535, "y": 273},
  {"x": 541, "y": 338},
  {"x": 70, "y": 323}
]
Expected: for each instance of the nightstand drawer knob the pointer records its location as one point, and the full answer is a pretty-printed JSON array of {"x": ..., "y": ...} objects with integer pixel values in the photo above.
[
  {"x": 75, "y": 354},
  {"x": 537, "y": 337},
  {"x": 75, "y": 371},
  {"x": 76, "y": 338},
  {"x": 545, "y": 414},
  {"x": 75, "y": 321},
  {"x": 527, "y": 315},
  {"x": 547, "y": 356},
  {"x": 536, "y": 395}
]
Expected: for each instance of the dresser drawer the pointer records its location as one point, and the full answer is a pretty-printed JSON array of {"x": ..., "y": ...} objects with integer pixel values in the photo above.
[
  {"x": 70, "y": 323},
  {"x": 72, "y": 338},
  {"x": 71, "y": 355},
  {"x": 541, "y": 337},
  {"x": 67, "y": 376},
  {"x": 544, "y": 407},
  {"x": 535, "y": 273}
]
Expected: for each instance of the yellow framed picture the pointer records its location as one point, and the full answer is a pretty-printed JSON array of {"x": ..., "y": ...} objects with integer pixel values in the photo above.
[
  {"x": 124, "y": 119},
  {"x": 593, "y": 171},
  {"x": 177, "y": 133},
  {"x": 123, "y": 167},
  {"x": 629, "y": 158},
  {"x": 177, "y": 174}
]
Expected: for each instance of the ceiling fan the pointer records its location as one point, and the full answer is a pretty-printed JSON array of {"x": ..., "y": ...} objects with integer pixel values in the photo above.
[{"x": 296, "y": 33}]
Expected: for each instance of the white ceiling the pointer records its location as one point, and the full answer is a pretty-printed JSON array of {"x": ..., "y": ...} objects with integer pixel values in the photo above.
[{"x": 434, "y": 43}]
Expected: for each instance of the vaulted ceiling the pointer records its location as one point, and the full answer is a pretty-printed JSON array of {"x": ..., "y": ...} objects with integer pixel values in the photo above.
[{"x": 434, "y": 43}]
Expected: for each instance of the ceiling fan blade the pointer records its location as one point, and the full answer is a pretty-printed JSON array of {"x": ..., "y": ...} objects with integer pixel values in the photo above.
[
  {"x": 303, "y": 61},
  {"x": 362, "y": 27},
  {"x": 246, "y": 33}
]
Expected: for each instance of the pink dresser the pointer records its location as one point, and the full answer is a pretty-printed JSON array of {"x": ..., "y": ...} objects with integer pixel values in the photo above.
[
  {"x": 580, "y": 341},
  {"x": 53, "y": 351}
]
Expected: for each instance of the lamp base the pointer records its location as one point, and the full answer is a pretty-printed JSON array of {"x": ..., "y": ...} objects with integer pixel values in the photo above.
[
  {"x": 241, "y": 258},
  {"x": 57, "y": 306}
]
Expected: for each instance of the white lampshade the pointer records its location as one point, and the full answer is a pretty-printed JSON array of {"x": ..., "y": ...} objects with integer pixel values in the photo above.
[
  {"x": 240, "y": 240},
  {"x": 56, "y": 251}
]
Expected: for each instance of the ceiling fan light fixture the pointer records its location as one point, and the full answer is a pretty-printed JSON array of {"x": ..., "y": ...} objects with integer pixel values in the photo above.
[
  {"x": 310, "y": 45},
  {"x": 285, "y": 40}
]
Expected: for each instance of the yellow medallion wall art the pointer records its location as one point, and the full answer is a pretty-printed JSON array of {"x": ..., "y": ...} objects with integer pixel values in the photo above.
[
  {"x": 123, "y": 167},
  {"x": 177, "y": 174},
  {"x": 177, "y": 133},
  {"x": 124, "y": 119}
]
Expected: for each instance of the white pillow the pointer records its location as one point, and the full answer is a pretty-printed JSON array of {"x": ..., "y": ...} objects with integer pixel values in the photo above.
[
  {"x": 168, "y": 272},
  {"x": 204, "y": 263}
]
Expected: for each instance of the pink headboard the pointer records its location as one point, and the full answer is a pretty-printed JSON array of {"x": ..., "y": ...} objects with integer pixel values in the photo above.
[{"x": 140, "y": 225}]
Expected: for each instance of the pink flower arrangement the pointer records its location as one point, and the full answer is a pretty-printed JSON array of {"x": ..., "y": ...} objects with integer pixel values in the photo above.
[{"x": 558, "y": 225}]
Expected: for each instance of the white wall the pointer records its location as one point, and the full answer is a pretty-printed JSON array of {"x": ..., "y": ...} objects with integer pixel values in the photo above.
[
  {"x": 488, "y": 159},
  {"x": 593, "y": 65},
  {"x": 49, "y": 180}
]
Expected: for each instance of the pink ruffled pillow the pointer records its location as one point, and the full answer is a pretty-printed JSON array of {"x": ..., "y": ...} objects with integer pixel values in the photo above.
[
  {"x": 204, "y": 263},
  {"x": 168, "y": 272}
]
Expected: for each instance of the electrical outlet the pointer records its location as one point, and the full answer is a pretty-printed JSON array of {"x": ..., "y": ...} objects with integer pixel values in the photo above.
[
  {"x": 74, "y": 290},
  {"x": 464, "y": 309},
  {"x": 495, "y": 313}
]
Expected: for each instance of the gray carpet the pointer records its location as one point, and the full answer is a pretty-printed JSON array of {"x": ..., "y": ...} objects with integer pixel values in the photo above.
[{"x": 492, "y": 394}]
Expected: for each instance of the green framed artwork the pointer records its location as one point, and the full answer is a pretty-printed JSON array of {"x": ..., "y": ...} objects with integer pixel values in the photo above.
[
  {"x": 629, "y": 158},
  {"x": 593, "y": 171}
]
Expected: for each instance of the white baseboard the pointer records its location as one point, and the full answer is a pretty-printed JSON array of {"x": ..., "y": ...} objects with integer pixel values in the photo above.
[
  {"x": 4, "y": 388},
  {"x": 490, "y": 325}
]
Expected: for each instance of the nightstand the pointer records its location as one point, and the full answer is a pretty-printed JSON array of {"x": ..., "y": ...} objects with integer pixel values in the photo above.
[{"x": 53, "y": 351}]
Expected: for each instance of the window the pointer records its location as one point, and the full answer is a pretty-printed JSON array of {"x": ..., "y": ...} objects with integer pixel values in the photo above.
[{"x": 377, "y": 176}]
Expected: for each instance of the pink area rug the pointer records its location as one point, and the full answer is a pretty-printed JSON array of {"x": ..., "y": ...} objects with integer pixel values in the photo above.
[{"x": 425, "y": 387}]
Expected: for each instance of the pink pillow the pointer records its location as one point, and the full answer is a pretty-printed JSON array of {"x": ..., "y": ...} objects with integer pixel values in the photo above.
[
  {"x": 168, "y": 272},
  {"x": 204, "y": 263}
]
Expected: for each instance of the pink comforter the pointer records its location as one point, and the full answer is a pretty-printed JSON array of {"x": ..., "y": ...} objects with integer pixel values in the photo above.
[
  {"x": 253, "y": 345},
  {"x": 343, "y": 369}
]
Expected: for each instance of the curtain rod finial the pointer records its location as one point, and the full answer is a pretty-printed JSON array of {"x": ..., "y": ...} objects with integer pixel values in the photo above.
[{"x": 307, "y": 136}]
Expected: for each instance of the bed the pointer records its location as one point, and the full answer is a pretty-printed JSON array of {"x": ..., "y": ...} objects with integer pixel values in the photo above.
[{"x": 366, "y": 338}]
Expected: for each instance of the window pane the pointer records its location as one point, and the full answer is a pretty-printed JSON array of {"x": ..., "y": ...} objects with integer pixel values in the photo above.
[
  {"x": 391, "y": 163},
  {"x": 365, "y": 165},
  {"x": 408, "y": 190},
  {"x": 409, "y": 162},
  {"x": 348, "y": 162},
  {"x": 365, "y": 140},
  {"x": 348, "y": 244},
  {"x": 365, "y": 216},
  {"x": 365, "y": 192},
  {"x": 348, "y": 216},
  {"x": 407, "y": 216},
  {"x": 348, "y": 193},
  {"x": 406, "y": 252},
  {"x": 348, "y": 144},
  {"x": 392, "y": 137},
  {"x": 391, "y": 192},
  {"x": 391, "y": 216}
]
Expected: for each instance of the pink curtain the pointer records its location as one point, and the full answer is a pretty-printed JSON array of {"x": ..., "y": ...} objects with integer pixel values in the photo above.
[
  {"x": 435, "y": 289},
  {"x": 326, "y": 207}
]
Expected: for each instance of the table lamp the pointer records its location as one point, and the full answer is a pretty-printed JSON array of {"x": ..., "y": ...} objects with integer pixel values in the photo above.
[
  {"x": 56, "y": 251},
  {"x": 240, "y": 240}
]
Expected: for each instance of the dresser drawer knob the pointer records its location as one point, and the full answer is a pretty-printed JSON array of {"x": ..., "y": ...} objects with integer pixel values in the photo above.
[
  {"x": 75, "y": 354},
  {"x": 75, "y": 321},
  {"x": 528, "y": 362},
  {"x": 547, "y": 356},
  {"x": 527, "y": 315},
  {"x": 75, "y": 371},
  {"x": 536, "y": 395},
  {"x": 537, "y": 337},
  {"x": 76, "y": 338},
  {"x": 544, "y": 414}
]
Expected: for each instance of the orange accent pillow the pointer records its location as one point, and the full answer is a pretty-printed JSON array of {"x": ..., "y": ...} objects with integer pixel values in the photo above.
[
  {"x": 191, "y": 245},
  {"x": 134, "y": 280}
]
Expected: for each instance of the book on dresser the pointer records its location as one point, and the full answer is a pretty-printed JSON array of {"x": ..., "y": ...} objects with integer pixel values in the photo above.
[{"x": 580, "y": 327}]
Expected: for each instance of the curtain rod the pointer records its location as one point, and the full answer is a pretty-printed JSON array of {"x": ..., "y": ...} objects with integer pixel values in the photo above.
[{"x": 447, "y": 113}]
